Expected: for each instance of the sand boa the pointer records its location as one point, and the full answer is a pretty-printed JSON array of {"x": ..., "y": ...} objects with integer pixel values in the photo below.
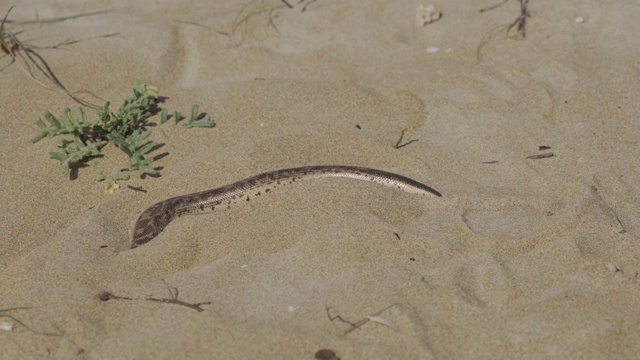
[{"x": 153, "y": 220}]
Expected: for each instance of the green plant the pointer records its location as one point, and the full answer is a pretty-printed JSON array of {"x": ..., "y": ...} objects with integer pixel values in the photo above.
[
  {"x": 5, "y": 313},
  {"x": 124, "y": 128},
  {"x": 83, "y": 139}
]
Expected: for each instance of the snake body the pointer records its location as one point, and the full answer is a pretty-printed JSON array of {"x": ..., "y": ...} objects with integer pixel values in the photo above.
[{"x": 153, "y": 220}]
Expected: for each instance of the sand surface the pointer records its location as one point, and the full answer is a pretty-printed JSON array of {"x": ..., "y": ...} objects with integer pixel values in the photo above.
[{"x": 520, "y": 258}]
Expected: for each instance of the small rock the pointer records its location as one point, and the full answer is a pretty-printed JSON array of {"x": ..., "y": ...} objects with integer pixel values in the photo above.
[
  {"x": 613, "y": 267},
  {"x": 426, "y": 15},
  {"x": 6, "y": 326}
]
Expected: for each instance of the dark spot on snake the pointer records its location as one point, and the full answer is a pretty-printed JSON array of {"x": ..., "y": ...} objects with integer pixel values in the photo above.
[
  {"x": 267, "y": 190},
  {"x": 247, "y": 198},
  {"x": 201, "y": 207}
]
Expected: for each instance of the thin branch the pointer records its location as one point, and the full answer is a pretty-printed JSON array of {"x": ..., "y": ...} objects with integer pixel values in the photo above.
[{"x": 174, "y": 299}]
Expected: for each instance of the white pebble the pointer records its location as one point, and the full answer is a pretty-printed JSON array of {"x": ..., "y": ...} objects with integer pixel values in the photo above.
[
  {"x": 433, "y": 49},
  {"x": 579, "y": 20},
  {"x": 613, "y": 267},
  {"x": 6, "y": 326}
]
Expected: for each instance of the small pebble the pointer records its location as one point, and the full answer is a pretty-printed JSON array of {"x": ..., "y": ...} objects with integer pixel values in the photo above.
[
  {"x": 426, "y": 15},
  {"x": 433, "y": 49},
  {"x": 326, "y": 354},
  {"x": 579, "y": 20},
  {"x": 6, "y": 326},
  {"x": 613, "y": 267}
]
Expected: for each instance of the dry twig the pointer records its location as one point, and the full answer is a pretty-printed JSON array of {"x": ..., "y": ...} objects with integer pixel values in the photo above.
[{"x": 174, "y": 299}]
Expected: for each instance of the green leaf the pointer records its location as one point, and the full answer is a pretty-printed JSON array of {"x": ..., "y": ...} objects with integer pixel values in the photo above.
[
  {"x": 194, "y": 113},
  {"x": 71, "y": 122},
  {"x": 104, "y": 114},
  {"x": 163, "y": 116},
  {"x": 144, "y": 136},
  {"x": 62, "y": 157},
  {"x": 63, "y": 143},
  {"x": 52, "y": 119},
  {"x": 120, "y": 142},
  {"x": 64, "y": 160},
  {"x": 132, "y": 140},
  {"x": 120, "y": 176},
  {"x": 78, "y": 141},
  {"x": 206, "y": 122},
  {"x": 136, "y": 138},
  {"x": 99, "y": 177},
  {"x": 40, "y": 134},
  {"x": 39, "y": 123},
  {"x": 83, "y": 116},
  {"x": 145, "y": 149},
  {"x": 192, "y": 122},
  {"x": 72, "y": 148}
]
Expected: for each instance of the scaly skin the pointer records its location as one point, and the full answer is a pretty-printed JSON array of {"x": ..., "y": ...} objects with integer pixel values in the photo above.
[{"x": 153, "y": 220}]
